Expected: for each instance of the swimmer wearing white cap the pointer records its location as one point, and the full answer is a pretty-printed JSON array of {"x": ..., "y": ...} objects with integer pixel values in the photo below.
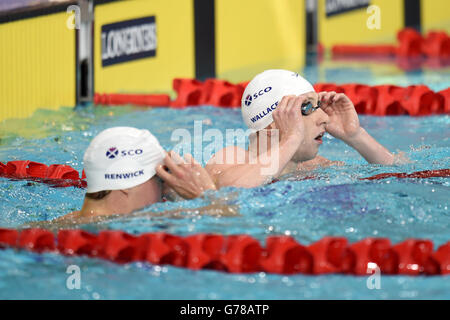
[
  {"x": 283, "y": 100},
  {"x": 122, "y": 165}
]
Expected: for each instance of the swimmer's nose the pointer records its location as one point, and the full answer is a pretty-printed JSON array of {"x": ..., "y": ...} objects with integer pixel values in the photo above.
[{"x": 322, "y": 117}]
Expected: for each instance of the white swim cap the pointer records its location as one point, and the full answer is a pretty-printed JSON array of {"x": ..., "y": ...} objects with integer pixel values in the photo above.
[
  {"x": 120, "y": 158},
  {"x": 265, "y": 91}
]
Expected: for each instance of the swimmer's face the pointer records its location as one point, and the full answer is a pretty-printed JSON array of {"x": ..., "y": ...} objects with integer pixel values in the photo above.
[{"x": 314, "y": 129}]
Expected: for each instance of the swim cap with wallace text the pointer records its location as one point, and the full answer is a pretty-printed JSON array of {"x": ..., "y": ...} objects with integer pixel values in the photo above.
[{"x": 265, "y": 91}]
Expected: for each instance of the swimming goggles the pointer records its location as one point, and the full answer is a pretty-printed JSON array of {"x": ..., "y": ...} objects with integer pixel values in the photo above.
[{"x": 307, "y": 108}]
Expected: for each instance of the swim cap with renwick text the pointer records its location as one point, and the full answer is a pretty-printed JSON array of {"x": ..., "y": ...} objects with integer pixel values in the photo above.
[{"x": 120, "y": 158}]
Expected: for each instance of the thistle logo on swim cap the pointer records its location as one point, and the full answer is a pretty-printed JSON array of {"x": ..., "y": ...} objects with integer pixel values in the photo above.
[
  {"x": 112, "y": 153},
  {"x": 249, "y": 98}
]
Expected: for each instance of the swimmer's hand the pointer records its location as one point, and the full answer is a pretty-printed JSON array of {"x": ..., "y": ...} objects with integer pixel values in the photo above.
[
  {"x": 344, "y": 122},
  {"x": 187, "y": 177},
  {"x": 401, "y": 158},
  {"x": 289, "y": 120}
]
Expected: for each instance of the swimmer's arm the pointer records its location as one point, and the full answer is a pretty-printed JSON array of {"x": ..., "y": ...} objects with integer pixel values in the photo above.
[
  {"x": 317, "y": 162},
  {"x": 344, "y": 124},
  {"x": 370, "y": 149},
  {"x": 219, "y": 206},
  {"x": 68, "y": 221},
  {"x": 249, "y": 175},
  {"x": 73, "y": 220},
  {"x": 214, "y": 209}
]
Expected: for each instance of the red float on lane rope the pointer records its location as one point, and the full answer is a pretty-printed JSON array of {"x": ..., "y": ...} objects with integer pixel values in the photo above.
[
  {"x": 241, "y": 253},
  {"x": 37, "y": 240},
  {"x": 151, "y": 100},
  {"x": 65, "y": 176},
  {"x": 442, "y": 256},
  {"x": 8, "y": 238},
  {"x": 189, "y": 92},
  {"x": 377, "y": 251},
  {"x": 57, "y": 175},
  {"x": 284, "y": 255},
  {"x": 411, "y": 44},
  {"x": 76, "y": 242},
  {"x": 378, "y": 100}
]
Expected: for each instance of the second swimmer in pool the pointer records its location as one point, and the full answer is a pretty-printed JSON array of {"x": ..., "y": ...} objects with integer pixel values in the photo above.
[
  {"x": 281, "y": 101},
  {"x": 124, "y": 167}
]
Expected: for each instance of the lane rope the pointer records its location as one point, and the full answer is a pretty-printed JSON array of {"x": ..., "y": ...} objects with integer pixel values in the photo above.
[
  {"x": 241, "y": 253},
  {"x": 59, "y": 175},
  {"x": 380, "y": 100}
]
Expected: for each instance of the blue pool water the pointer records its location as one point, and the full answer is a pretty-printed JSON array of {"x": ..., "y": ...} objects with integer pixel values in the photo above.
[{"x": 337, "y": 203}]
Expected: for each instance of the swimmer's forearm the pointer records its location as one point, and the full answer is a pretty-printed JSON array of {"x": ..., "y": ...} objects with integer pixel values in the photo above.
[{"x": 370, "y": 149}]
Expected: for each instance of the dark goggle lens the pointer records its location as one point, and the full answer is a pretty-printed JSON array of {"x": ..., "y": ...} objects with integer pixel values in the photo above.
[{"x": 307, "y": 108}]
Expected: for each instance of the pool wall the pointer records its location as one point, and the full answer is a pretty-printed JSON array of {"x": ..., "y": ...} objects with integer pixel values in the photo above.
[
  {"x": 37, "y": 62},
  {"x": 53, "y": 55}
]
